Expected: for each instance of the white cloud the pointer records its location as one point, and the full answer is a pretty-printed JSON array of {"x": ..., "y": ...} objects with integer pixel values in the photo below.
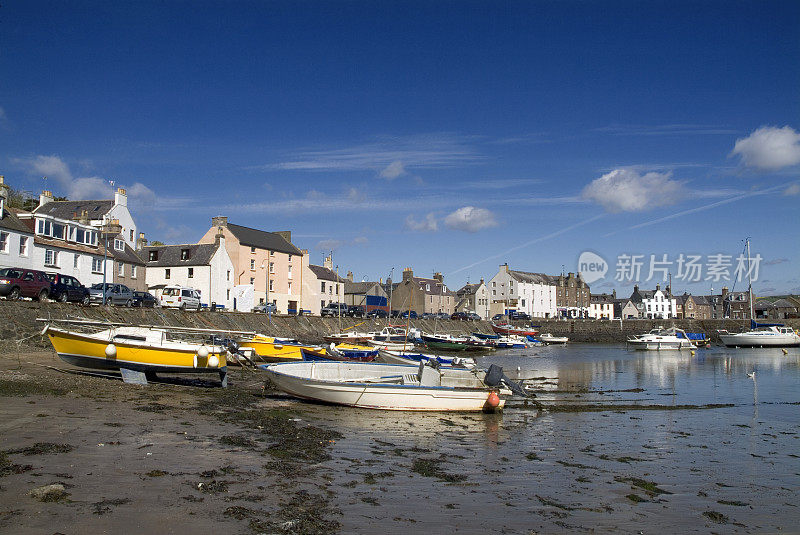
[
  {"x": 429, "y": 224},
  {"x": 329, "y": 245},
  {"x": 775, "y": 262},
  {"x": 794, "y": 189},
  {"x": 470, "y": 219},
  {"x": 769, "y": 148},
  {"x": 360, "y": 240},
  {"x": 627, "y": 190},
  {"x": 355, "y": 195},
  {"x": 393, "y": 170}
]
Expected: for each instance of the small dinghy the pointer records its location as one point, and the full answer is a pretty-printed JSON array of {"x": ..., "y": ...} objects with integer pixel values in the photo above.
[
  {"x": 394, "y": 387},
  {"x": 549, "y": 339},
  {"x": 333, "y": 353},
  {"x": 410, "y": 358}
]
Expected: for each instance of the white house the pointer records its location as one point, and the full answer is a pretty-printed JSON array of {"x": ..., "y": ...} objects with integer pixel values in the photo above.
[
  {"x": 655, "y": 304},
  {"x": 16, "y": 238},
  {"x": 321, "y": 286},
  {"x": 533, "y": 293},
  {"x": 601, "y": 306},
  {"x": 206, "y": 267}
]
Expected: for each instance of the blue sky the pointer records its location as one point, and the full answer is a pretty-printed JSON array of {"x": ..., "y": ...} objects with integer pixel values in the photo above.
[{"x": 445, "y": 136}]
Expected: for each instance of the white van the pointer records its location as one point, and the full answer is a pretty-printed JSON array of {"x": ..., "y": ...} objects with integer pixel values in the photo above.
[{"x": 180, "y": 297}]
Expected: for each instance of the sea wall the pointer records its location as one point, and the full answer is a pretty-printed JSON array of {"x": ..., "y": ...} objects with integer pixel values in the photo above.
[{"x": 19, "y": 328}]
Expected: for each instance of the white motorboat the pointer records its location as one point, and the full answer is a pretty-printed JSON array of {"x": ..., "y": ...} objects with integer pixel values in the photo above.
[
  {"x": 410, "y": 358},
  {"x": 548, "y": 338},
  {"x": 761, "y": 336},
  {"x": 391, "y": 346},
  {"x": 661, "y": 339},
  {"x": 391, "y": 386}
]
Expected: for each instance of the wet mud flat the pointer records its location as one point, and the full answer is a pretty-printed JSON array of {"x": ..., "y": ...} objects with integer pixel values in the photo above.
[{"x": 82, "y": 453}]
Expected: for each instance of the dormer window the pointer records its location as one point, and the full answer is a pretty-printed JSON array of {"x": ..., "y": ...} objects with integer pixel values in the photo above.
[
  {"x": 119, "y": 245},
  {"x": 184, "y": 254},
  {"x": 153, "y": 256}
]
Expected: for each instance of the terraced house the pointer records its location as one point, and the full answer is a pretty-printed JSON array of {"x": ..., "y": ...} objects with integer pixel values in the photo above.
[
  {"x": 266, "y": 261},
  {"x": 422, "y": 295}
]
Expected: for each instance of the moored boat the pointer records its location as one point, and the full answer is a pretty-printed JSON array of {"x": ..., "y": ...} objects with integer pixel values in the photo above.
[
  {"x": 660, "y": 339},
  {"x": 391, "y": 386},
  {"x": 348, "y": 338},
  {"x": 549, "y": 339},
  {"x": 413, "y": 358},
  {"x": 271, "y": 349},
  {"x": 761, "y": 335},
  {"x": 137, "y": 352},
  {"x": 340, "y": 353},
  {"x": 507, "y": 328}
]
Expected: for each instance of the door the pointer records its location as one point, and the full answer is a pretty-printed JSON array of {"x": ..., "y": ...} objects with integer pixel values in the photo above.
[{"x": 28, "y": 284}]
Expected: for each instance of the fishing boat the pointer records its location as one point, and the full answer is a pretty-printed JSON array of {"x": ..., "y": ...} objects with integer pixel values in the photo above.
[
  {"x": 511, "y": 342},
  {"x": 549, "y": 339},
  {"x": 392, "y": 386},
  {"x": 507, "y": 328},
  {"x": 444, "y": 342},
  {"x": 660, "y": 339},
  {"x": 341, "y": 353},
  {"x": 351, "y": 337},
  {"x": 413, "y": 358},
  {"x": 484, "y": 336},
  {"x": 271, "y": 349},
  {"x": 392, "y": 346},
  {"x": 761, "y": 335},
  {"x": 391, "y": 333},
  {"x": 137, "y": 352}
]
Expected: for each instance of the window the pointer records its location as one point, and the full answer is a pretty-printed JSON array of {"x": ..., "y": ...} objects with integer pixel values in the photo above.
[
  {"x": 97, "y": 265},
  {"x": 228, "y": 275},
  {"x": 323, "y": 286},
  {"x": 79, "y": 235},
  {"x": 427, "y": 287},
  {"x": 50, "y": 257},
  {"x": 494, "y": 284},
  {"x": 131, "y": 234},
  {"x": 322, "y": 304},
  {"x": 272, "y": 267},
  {"x": 191, "y": 273},
  {"x": 227, "y": 294},
  {"x": 290, "y": 272},
  {"x": 23, "y": 246},
  {"x": 153, "y": 256},
  {"x": 184, "y": 254},
  {"x": 166, "y": 273},
  {"x": 252, "y": 281},
  {"x": 290, "y": 258},
  {"x": 252, "y": 264},
  {"x": 75, "y": 261},
  {"x": 4, "y": 242},
  {"x": 58, "y": 231},
  {"x": 494, "y": 292},
  {"x": 252, "y": 249},
  {"x": 119, "y": 245},
  {"x": 272, "y": 253},
  {"x": 271, "y": 285},
  {"x": 120, "y": 269},
  {"x": 290, "y": 287}
]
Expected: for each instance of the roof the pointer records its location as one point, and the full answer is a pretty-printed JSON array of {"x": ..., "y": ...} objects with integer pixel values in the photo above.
[
  {"x": 11, "y": 222},
  {"x": 325, "y": 274},
  {"x": 262, "y": 239},
  {"x": 127, "y": 255},
  {"x": 73, "y": 209},
  {"x": 602, "y": 298},
  {"x": 199, "y": 254},
  {"x": 468, "y": 289},
  {"x": 357, "y": 287},
  {"x": 532, "y": 278},
  {"x": 764, "y": 304},
  {"x": 432, "y": 286}
]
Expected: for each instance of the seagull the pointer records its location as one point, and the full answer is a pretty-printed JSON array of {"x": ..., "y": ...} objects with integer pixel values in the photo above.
[{"x": 752, "y": 375}]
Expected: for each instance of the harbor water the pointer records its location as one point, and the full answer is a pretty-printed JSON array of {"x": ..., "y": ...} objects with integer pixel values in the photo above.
[{"x": 620, "y": 441}]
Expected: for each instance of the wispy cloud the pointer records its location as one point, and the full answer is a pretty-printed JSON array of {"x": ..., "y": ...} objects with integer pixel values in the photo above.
[
  {"x": 500, "y": 183},
  {"x": 678, "y": 129},
  {"x": 774, "y": 262},
  {"x": 427, "y": 224},
  {"x": 792, "y": 190}
]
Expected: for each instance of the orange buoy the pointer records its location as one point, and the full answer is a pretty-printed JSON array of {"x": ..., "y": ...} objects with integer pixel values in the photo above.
[{"x": 493, "y": 400}]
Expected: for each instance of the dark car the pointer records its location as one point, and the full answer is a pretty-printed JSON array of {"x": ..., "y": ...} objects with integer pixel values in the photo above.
[
  {"x": 395, "y": 313},
  {"x": 377, "y": 313},
  {"x": 115, "y": 294},
  {"x": 143, "y": 300},
  {"x": 472, "y": 316},
  {"x": 518, "y": 316},
  {"x": 356, "y": 311},
  {"x": 18, "y": 282},
  {"x": 65, "y": 288},
  {"x": 462, "y": 316},
  {"x": 498, "y": 317},
  {"x": 409, "y": 313}
]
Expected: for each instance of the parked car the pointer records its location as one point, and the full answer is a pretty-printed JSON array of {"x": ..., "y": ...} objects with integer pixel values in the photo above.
[
  {"x": 462, "y": 316},
  {"x": 144, "y": 300},
  {"x": 407, "y": 313},
  {"x": 442, "y": 315},
  {"x": 395, "y": 313},
  {"x": 377, "y": 313},
  {"x": 356, "y": 311},
  {"x": 334, "y": 309},
  {"x": 180, "y": 297},
  {"x": 116, "y": 294},
  {"x": 472, "y": 316},
  {"x": 18, "y": 282},
  {"x": 518, "y": 316},
  {"x": 498, "y": 317},
  {"x": 265, "y": 308},
  {"x": 66, "y": 288}
]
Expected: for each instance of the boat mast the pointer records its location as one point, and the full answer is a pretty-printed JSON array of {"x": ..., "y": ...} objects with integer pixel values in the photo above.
[{"x": 749, "y": 280}]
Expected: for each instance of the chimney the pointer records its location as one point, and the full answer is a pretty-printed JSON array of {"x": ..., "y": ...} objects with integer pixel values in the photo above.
[
  {"x": 285, "y": 234},
  {"x": 3, "y": 196},
  {"x": 505, "y": 266},
  {"x": 724, "y": 292},
  {"x": 141, "y": 243},
  {"x": 219, "y": 221},
  {"x": 481, "y": 280},
  {"x": 121, "y": 197},
  {"x": 328, "y": 262},
  {"x": 84, "y": 217},
  {"x": 350, "y": 276},
  {"x": 669, "y": 290},
  {"x": 45, "y": 197},
  {"x": 658, "y": 287},
  {"x": 614, "y": 293},
  {"x": 438, "y": 277},
  {"x": 408, "y": 274},
  {"x": 635, "y": 288}
]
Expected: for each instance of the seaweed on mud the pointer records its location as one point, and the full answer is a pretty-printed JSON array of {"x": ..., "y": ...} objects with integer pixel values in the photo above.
[
  {"x": 716, "y": 517},
  {"x": 240, "y": 513},
  {"x": 431, "y": 468},
  {"x": 372, "y": 479},
  {"x": 733, "y": 502},
  {"x": 576, "y": 465},
  {"x": 533, "y": 456},
  {"x": 596, "y": 407},
  {"x": 103, "y": 507},
  {"x": 648, "y": 486},
  {"x": 237, "y": 441},
  {"x": 152, "y": 407},
  {"x": 304, "y": 513},
  {"x": 635, "y": 498},
  {"x": 8, "y": 468},
  {"x": 370, "y": 500},
  {"x": 42, "y": 448},
  {"x": 157, "y": 473},
  {"x": 213, "y": 486},
  {"x": 10, "y": 388},
  {"x": 553, "y": 503}
]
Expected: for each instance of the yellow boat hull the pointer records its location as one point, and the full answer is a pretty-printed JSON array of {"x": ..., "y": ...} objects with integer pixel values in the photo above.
[
  {"x": 83, "y": 350},
  {"x": 271, "y": 350}
]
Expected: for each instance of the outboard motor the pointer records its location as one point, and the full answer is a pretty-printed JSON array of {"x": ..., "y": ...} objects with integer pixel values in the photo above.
[{"x": 496, "y": 377}]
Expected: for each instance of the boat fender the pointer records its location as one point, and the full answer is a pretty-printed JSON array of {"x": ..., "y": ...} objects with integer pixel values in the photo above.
[
  {"x": 111, "y": 351},
  {"x": 213, "y": 361},
  {"x": 493, "y": 400},
  {"x": 202, "y": 352},
  {"x": 46, "y": 327}
]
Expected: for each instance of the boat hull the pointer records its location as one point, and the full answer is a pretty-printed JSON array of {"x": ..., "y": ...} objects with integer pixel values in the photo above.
[
  {"x": 510, "y": 329},
  {"x": 382, "y": 396},
  {"x": 647, "y": 345},
  {"x": 270, "y": 350},
  {"x": 760, "y": 340}
]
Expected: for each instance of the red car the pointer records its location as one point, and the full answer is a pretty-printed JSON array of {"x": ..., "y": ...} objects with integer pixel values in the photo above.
[{"x": 19, "y": 282}]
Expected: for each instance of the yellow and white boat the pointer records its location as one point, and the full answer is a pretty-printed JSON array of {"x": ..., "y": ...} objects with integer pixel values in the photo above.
[{"x": 137, "y": 352}]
